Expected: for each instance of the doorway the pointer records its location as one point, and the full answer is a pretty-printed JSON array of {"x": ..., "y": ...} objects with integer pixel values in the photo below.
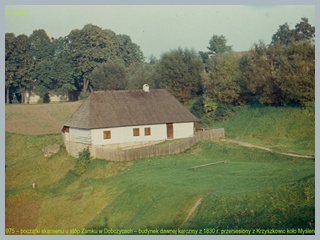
[{"x": 169, "y": 130}]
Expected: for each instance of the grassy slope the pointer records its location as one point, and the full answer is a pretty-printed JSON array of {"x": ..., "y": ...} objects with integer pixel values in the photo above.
[
  {"x": 286, "y": 129},
  {"x": 159, "y": 192},
  {"x": 254, "y": 188}
]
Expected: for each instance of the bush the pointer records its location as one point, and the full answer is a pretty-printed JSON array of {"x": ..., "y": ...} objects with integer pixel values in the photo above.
[
  {"x": 209, "y": 111},
  {"x": 84, "y": 95},
  {"x": 83, "y": 162}
]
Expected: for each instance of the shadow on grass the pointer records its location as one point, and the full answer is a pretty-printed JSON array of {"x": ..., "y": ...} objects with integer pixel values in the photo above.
[{"x": 63, "y": 183}]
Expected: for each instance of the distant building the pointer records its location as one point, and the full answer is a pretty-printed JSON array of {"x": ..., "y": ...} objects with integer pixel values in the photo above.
[{"x": 50, "y": 98}]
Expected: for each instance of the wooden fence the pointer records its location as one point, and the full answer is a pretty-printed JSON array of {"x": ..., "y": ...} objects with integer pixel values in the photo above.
[{"x": 173, "y": 147}]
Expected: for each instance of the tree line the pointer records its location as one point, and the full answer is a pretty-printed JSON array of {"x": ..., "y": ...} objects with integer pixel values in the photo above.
[{"x": 281, "y": 72}]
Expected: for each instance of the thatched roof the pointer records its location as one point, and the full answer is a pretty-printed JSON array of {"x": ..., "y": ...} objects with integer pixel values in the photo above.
[{"x": 104, "y": 109}]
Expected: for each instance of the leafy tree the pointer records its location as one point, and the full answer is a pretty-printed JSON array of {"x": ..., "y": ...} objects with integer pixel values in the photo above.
[
  {"x": 224, "y": 83},
  {"x": 64, "y": 68},
  {"x": 129, "y": 52},
  {"x": 44, "y": 75},
  {"x": 88, "y": 48},
  {"x": 153, "y": 59},
  {"x": 64, "y": 77},
  {"x": 282, "y": 35},
  {"x": 10, "y": 64},
  {"x": 281, "y": 74},
  {"x": 19, "y": 66},
  {"x": 25, "y": 66},
  {"x": 139, "y": 74},
  {"x": 303, "y": 31},
  {"x": 295, "y": 75},
  {"x": 179, "y": 71},
  {"x": 218, "y": 44},
  {"x": 109, "y": 76},
  {"x": 258, "y": 69},
  {"x": 53, "y": 76},
  {"x": 41, "y": 45}
]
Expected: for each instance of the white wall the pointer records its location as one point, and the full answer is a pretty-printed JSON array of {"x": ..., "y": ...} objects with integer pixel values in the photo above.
[
  {"x": 183, "y": 130},
  {"x": 33, "y": 98},
  {"x": 125, "y": 134},
  {"x": 80, "y": 135}
]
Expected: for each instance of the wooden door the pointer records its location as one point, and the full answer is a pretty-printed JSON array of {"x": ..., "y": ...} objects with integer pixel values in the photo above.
[{"x": 169, "y": 130}]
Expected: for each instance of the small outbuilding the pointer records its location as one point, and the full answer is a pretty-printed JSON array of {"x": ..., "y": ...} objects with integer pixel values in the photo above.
[{"x": 127, "y": 117}]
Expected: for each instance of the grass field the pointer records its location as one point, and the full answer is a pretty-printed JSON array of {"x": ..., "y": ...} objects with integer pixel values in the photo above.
[
  {"x": 253, "y": 189},
  {"x": 38, "y": 118},
  {"x": 284, "y": 129}
]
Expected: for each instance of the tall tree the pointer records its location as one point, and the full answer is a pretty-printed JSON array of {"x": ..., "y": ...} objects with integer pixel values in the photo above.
[
  {"x": 139, "y": 74},
  {"x": 25, "y": 65},
  {"x": 282, "y": 35},
  {"x": 89, "y": 47},
  {"x": 64, "y": 69},
  {"x": 281, "y": 74},
  {"x": 109, "y": 76},
  {"x": 218, "y": 44},
  {"x": 303, "y": 31},
  {"x": 10, "y": 64},
  {"x": 44, "y": 75},
  {"x": 41, "y": 45},
  {"x": 53, "y": 76},
  {"x": 258, "y": 69},
  {"x": 295, "y": 75},
  {"x": 180, "y": 72},
  {"x": 129, "y": 52},
  {"x": 224, "y": 83}
]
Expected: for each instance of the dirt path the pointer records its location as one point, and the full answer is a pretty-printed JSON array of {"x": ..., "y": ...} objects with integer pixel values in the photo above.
[
  {"x": 191, "y": 211},
  {"x": 245, "y": 144}
]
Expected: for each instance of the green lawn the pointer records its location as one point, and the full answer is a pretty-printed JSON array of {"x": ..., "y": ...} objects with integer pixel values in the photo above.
[
  {"x": 284, "y": 129},
  {"x": 254, "y": 188}
]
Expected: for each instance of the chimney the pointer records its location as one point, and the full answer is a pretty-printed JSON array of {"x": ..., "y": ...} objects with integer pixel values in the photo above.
[{"x": 145, "y": 88}]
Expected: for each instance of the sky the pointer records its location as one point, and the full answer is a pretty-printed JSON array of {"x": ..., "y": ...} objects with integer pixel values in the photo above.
[{"x": 161, "y": 28}]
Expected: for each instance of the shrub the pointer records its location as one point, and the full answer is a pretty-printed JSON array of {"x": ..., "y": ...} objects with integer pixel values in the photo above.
[{"x": 83, "y": 162}]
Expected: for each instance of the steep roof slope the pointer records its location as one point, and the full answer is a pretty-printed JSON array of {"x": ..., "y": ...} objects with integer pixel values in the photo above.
[{"x": 104, "y": 109}]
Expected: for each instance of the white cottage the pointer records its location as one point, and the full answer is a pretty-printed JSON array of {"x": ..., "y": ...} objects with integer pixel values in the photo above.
[{"x": 126, "y": 117}]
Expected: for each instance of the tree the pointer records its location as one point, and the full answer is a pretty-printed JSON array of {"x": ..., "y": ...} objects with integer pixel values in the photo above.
[
  {"x": 224, "y": 83},
  {"x": 64, "y": 69},
  {"x": 41, "y": 45},
  {"x": 53, "y": 76},
  {"x": 109, "y": 76},
  {"x": 64, "y": 77},
  {"x": 179, "y": 71},
  {"x": 88, "y": 48},
  {"x": 303, "y": 31},
  {"x": 218, "y": 44},
  {"x": 44, "y": 75},
  {"x": 281, "y": 74},
  {"x": 258, "y": 69},
  {"x": 129, "y": 52},
  {"x": 25, "y": 66},
  {"x": 295, "y": 75},
  {"x": 282, "y": 35},
  {"x": 10, "y": 64},
  {"x": 139, "y": 74}
]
